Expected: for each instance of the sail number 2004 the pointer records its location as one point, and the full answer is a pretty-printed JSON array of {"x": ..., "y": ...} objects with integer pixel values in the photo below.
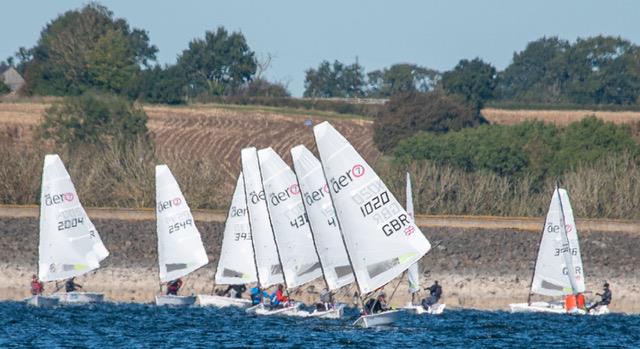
[{"x": 70, "y": 223}]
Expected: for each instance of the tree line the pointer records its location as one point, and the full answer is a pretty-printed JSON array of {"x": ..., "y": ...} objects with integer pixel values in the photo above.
[{"x": 91, "y": 49}]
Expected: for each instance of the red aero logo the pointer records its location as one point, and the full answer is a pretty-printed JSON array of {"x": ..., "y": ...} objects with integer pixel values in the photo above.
[
  {"x": 294, "y": 189},
  {"x": 176, "y": 201},
  {"x": 357, "y": 170},
  {"x": 568, "y": 228},
  {"x": 68, "y": 196}
]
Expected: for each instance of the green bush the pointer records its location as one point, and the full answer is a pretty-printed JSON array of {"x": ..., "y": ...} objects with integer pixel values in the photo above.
[
  {"x": 532, "y": 148},
  {"x": 408, "y": 113},
  {"x": 4, "y": 89},
  {"x": 96, "y": 119}
]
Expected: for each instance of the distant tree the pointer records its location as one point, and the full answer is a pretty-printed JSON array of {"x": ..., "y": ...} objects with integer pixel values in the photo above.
[
  {"x": 408, "y": 113},
  {"x": 474, "y": 80},
  {"x": 603, "y": 70},
  {"x": 334, "y": 80},
  {"x": 83, "y": 49},
  {"x": 163, "y": 85},
  {"x": 94, "y": 119},
  {"x": 4, "y": 89},
  {"x": 400, "y": 78},
  {"x": 264, "y": 88},
  {"x": 218, "y": 64},
  {"x": 538, "y": 73}
]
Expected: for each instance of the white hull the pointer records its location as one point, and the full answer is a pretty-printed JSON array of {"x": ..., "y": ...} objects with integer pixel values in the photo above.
[
  {"x": 379, "y": 319},
  {"x": 435, "y": 309},
  {"x": 293, "y": 310},
  {"x": 42, "y": 301},
  {"x": 335, "y": 313},
  {"x": 221, "y": 302},
  {"x": 79, "y": 297},
  {"x": 176, "y": 301},
  {"x": 553, "y": 308}
]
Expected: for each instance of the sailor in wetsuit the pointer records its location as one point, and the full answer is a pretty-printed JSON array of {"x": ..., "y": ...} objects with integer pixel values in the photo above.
[
  {"x": 605, "y": 295},
  {"x": 435, "y": 293}
]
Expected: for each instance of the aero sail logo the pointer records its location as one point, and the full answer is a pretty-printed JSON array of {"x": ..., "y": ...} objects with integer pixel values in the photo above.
[
  {"x": 163, "y": 205},
  {"x": 58, "y": 198}
]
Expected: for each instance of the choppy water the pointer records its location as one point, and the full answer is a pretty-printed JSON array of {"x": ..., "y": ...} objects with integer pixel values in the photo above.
[{"x": 137, "y": 325}]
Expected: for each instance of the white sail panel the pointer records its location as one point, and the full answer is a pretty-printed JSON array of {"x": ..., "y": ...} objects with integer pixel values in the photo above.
[
  {"x": 236, "y": 264},
  {"x": 413, "y": 273},
  {"x": 180, "y": 249},
  {"x": 69, "y": 243},
  {"x": 324, "y": 227},
  {"x": 264, "y": 246},
  {"x": 559, "y": 268},
  {"x": 288, "y": 218},
  {"x": 381, "y": 239}
]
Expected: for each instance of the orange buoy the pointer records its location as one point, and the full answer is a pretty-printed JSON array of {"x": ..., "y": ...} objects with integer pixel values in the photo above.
[{"x": 570, "y": 302}]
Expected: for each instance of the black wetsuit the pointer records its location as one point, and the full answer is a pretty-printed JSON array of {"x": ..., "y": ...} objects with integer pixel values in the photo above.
[
  {"x": 238, "y": 288},
  {"x": 435, "y": 293},
  {"x": 374, "y": 306}
]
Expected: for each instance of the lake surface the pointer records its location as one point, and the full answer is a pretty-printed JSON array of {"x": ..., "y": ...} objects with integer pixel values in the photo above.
[{"x": 148, "y": 326}]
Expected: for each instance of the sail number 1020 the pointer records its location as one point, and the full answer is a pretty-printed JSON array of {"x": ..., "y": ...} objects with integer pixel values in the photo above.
[{"x": 375, "y": 203}]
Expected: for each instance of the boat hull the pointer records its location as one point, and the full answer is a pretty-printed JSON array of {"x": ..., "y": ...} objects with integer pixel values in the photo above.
[
  {"x": 335, "y": 313},
  {"x": 435, "y": 309},
  {"x": 205, "y": 300},
  {"x": 175, "y": 301},
  {"x": 293, "y": 310},
  {"x": 80, "y": 297},
  {"x": 554, "y": 308},
  {"x": 42, "y": 301},
  {"x": 379, "y": 319}
]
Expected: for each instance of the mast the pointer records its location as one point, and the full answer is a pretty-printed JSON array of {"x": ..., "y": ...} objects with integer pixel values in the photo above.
[
  {"x": 568, "y": 261},
  {"x": 344, "y": 242},
  {"x": 313, "y": 236},
  {"x": 273, "y": 233},
  {"x": 253, "y": 246}
]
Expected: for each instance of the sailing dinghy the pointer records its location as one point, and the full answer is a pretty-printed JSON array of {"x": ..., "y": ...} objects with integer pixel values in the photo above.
[
  {"x": 558, "y": 270},
  {"x": 267, "y": 259},
  {"x": 180, "y": 249},
  {"x": 381, "y": 239},
  {"x": 236, "y": 265},
  {"x": 413, "y": 273},
  {"x": 324, "y": 227},
  {"x": 70, "y": 245}
]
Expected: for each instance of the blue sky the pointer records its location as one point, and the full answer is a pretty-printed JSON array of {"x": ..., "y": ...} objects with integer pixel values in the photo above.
[{"x": 300, "y": 34}]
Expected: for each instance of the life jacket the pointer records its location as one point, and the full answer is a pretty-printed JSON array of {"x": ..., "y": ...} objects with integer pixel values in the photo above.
[{"x": 36, "y": 287}]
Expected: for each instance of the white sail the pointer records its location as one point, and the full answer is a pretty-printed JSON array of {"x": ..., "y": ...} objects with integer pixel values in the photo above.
[
  {"x": 180, "y": 249},
  {"x": 559, "y": 266},
  {"x": 236, "y": 264},
  {"x": 289, "y": 220},
  {"x": 69, "y": 243},
  {"x": 264, "y": 246},
  {"x": 381, "y": 239},
  {"x": 413, "y": 273},
  {"x": 324, "y": 227}
]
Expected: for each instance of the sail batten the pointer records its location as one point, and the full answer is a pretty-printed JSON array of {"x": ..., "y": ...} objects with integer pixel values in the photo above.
[
  {"x": 320, "y": 211},
  {"x": 289, "y": 220},
  {"x": 236, "y": 264},
  {"x": 69, "y": 242},
  {"x": 381, "y": 238},
  {"x": 180, "y": 248}
]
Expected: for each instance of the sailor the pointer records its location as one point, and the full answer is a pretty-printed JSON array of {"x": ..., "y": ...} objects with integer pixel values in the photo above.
[
  {"x": 376, "y": 305},
  {"x": 174, "y": 286},
  {"x": 71, "y": 286},
  {"x": 605, "y": 295},
  {"x": 278, "y": 299},
  {"x": 325, "y": 300},
  {"x": 36, "y": 286},
  {"x": 435, "y": 293},
  {"x": 235, "y": 291},
  {"x": 258, "y": 295}
]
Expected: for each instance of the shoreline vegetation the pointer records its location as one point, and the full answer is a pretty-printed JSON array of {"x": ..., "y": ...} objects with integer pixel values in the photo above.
[{"x": 116, "y": 176}]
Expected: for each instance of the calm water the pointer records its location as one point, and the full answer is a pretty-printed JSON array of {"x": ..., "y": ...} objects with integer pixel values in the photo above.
[{"x": 135, "y": 325}]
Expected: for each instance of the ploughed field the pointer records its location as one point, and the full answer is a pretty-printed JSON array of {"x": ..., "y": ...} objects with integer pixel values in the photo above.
[
  {"x": 216, "y": 133},
  {"x": 479, "y": 268}
]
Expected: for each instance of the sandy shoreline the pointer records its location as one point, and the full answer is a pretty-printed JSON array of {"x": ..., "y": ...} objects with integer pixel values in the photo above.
[{"x": 484, "y": 269}]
